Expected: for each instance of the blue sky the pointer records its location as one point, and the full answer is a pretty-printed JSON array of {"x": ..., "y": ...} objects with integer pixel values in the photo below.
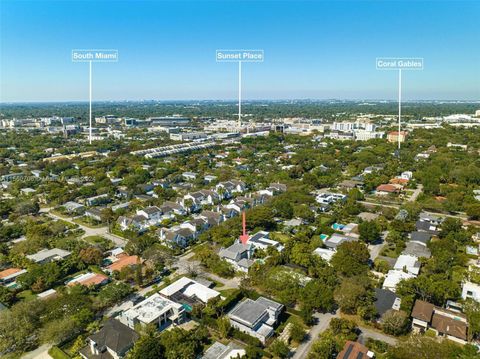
[{"x": 313, "y": 49}]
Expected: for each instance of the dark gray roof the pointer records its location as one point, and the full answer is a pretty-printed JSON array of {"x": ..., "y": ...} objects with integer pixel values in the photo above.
[
  {"x": 426, "y": 226},
  {"x": 421, "y": 237},
  {"x": 417, "y": 249},
  {"x": 249, "y": 312},
  {"x": 384, "y": 300},
  {"x": 115, "y": 336}
]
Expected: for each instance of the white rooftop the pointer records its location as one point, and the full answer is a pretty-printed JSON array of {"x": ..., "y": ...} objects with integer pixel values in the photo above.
[
  {"x": 190, "y": 288},
  {"x": 151, "y": 308}
]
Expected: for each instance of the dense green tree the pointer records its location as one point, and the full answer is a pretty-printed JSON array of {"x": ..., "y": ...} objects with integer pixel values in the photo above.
[
  {"x": 351, "y": 258},
  {"x": 369, "y": 231}
]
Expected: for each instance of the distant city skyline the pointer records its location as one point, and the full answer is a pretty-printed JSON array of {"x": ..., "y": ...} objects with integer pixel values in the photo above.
[{"x": 313, "y": 49}]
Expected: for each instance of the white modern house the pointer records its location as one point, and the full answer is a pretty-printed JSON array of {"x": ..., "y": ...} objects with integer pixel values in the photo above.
[
  {"x": 155, "y": 309},
  {"x": 471, "y": 290}
]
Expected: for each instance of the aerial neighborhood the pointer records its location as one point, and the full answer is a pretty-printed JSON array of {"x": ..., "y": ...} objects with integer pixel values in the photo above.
[{"x": 290, "y": 238}]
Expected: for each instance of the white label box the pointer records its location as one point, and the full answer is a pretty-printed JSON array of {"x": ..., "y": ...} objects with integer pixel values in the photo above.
[
  {"x": 239, "y": 55},
  {"x": 95, "y": 55},
  {"x": 399, "y": 63}
]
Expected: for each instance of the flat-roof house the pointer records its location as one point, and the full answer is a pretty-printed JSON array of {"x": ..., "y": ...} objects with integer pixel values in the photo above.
[
  {"x": 49, "y": 255},
  {"x": 471, "y": 291},
  {"x": 256, "y": 318},
  {"x": 394, "y": 277},
  {"x": 155, "y": 309},
  {"x": 407, "y": 263},
  {"x": 113, "y": 341},
  {"x": 189, "y": 292},
  {"x": 261, "y": 240},
  {"x": 324, "y": 253},
  {"x": 336, "y": 239},
  {"x": 446, "y": 323},
  {"x": 221, "y": 351}
]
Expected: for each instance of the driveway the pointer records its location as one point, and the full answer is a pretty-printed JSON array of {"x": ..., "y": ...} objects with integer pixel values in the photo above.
[
  {"x": 323, "y": 321},
  {"x": 416, "y": 193},
  {"x": 369, "y": 333},
  {"x": 40, "y": 353}
]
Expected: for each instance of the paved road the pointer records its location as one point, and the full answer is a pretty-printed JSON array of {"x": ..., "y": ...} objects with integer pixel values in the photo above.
[
  {"x": 376, "y": 248},
  {"x": 369, "y": 333},
  {"x": 100, "y": 231},
  {"x": 321, "y": 325},
  {"x": 463, "y": 217}
]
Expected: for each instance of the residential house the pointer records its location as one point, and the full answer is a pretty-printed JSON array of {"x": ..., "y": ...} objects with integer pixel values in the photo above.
[
  {"x": 157, "y": 310},
  {"x": 424, "y": 226},
  {"x": 209, "y": 178},
  {"x": 94, "y": 213},
  {"x": 189, "y": 176},
  {"x": 189, "y": 292},
  {"x": 209, "y": 197},
  {"x": 9, "y": 276},
  {"x": 444, "y": 322},
  {"x": 136, "y": 223},
  {"x": 324, "y": 253},
  {"x": 256, "y": 318},
  {"x": 385, "y": 300},
  {"x": 416, "y": 249},
  {"x": 239, "y": 255},
  {"x": 212, "y": 218},
  {"x": 394, "y": 277},
  {"x": 123, "y": 260},
  {"x": 89, "y": 279},
  {"x": 221, "y": 351},
  {"x": 261, "y": 240},
  {"x": 336, "y": 239},
  {"x": 278, "y": 187},
  {"x": 229, "y": 188},
  {"x": 430, "y": 218},
  {"x": 386, "y": 189},
  {"x": 355, "y": 350},
  {"x": 97, "y": 200},
  {"x": 172, "y": 208},
  {"x": 74, "y": 208},
  {"x": 407, "y": 263},
  {"x": 49, "y": 255},
  {"x": 471, "y": 291},
  {"x": 153, "y": 215},
  {"x": 177, "y": 236},
  {"x": 113, "y": 341}
]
